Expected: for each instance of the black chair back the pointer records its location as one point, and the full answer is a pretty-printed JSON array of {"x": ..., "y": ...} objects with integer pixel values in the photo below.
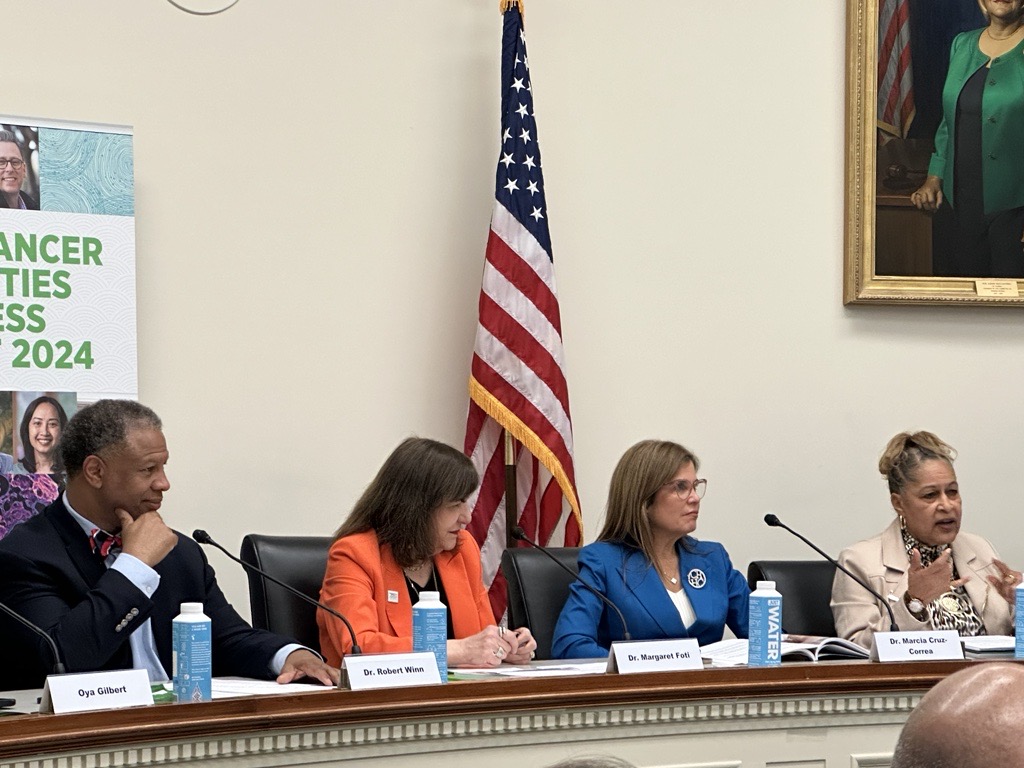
[
  {"x": 537, "y": 590},
  {"x": 806, "y": 588},
  {"x": 300, "y": 562}
]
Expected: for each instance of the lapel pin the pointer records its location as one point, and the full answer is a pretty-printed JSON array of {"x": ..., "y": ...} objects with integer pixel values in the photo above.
[
  {"x": 392, "y": 596},
  {"x": 696, "y": 578}
]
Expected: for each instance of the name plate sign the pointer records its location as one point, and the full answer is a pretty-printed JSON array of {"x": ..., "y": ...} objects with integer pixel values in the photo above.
[
  {"x": 370, "y": 671},
  {"x": 655, "y": 656},
  {"x": 89, "y": 691},
  {"x": 941, "y": 645}
]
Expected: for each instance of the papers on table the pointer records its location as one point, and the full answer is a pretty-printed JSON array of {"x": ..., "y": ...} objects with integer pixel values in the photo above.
[
  {"x": 989, "y": 647},
  {"x": 733, "y": 653},
  {"x": 533, "y": 670},
  {"x": 232, "y": 687}
]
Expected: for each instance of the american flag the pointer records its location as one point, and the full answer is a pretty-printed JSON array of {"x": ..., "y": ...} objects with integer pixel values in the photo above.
[
  {"x": 895, "y": 75},
  {"x": 517, "y": 381}
]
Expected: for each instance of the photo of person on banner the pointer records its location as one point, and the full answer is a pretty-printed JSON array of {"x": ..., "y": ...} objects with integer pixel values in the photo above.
[
  {"x": 42, "y": 423},
  {"x": 17, "y": 145}
]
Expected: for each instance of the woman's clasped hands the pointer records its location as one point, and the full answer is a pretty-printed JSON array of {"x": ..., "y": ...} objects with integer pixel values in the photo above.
[{"x": 492, "y": 646}]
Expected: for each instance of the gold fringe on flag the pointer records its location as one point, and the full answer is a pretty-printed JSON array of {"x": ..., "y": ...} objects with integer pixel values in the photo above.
[{"x": 506, "y": 5}]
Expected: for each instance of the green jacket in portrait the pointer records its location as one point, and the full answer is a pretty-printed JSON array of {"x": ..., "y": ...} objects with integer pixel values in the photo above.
[{"x": 1002, "y": 131}]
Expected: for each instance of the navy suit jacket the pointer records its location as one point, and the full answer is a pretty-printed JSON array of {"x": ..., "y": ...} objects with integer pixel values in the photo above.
[
  {"x": 587, "y": 627},
  {"x": 49, "y": 574}
]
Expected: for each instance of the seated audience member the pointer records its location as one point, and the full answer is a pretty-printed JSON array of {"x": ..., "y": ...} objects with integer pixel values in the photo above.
[
  {"x": 103, "y": 575},
  {"x": 6, "y": 464},
  {"x": 972, "y": 719},
  {"x": 13, "y": 171},
  {"x": 407, "y": 534},
  {"x": 41, "y": 428},
  {"x": 933, "y": 575},
  {"x": 666, "y": 583}
]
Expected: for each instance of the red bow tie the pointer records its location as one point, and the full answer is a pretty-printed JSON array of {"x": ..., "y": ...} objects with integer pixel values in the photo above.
[{"x": 103, "y": 542}]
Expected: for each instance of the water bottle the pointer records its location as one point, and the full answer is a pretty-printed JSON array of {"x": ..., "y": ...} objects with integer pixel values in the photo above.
[
  {"x": 1018, "y": 649},
  {"x": 430, "y": 629},
  {"x": 192, "y": 644},
  {"x": 765, "y": 645}
]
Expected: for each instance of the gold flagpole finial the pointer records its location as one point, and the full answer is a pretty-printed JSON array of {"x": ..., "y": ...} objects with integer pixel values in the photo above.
[{"x": 506, "y": 5}]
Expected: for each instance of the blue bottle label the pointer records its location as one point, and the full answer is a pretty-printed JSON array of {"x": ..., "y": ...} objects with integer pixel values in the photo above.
[
  {"x": 193, "y": 660},
  {"x": 1018, "y": 651},
  {"x": 430, "y": 633},
  {"x": 765, "y": 646}
]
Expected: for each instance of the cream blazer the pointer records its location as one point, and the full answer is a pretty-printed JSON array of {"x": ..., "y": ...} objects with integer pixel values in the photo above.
[{"x": 882, "y": 562}]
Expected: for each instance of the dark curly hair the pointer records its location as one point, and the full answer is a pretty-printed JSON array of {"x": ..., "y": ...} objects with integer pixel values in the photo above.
[{"x": 103, "y": 424}]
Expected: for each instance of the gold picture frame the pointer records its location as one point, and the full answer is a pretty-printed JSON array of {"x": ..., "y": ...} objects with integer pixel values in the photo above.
[{"x": 874, "y": 212}]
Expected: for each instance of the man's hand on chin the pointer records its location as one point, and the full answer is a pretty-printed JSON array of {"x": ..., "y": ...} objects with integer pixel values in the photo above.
[
  {"x": 303, "y": 663},
  {"x": 147, "y": 537}
]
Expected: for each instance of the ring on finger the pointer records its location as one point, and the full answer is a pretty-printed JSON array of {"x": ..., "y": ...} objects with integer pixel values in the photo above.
[
  {"x": 499, "y": 652},
  {"x": 501, "y": 631}
]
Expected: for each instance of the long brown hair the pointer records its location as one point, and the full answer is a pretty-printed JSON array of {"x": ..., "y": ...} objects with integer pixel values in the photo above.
[
  {"x": 417, "y": 478},
  {"x": 640, "y": 473}
]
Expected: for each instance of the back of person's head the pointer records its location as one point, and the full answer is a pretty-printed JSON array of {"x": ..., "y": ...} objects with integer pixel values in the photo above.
[
  {"x": 419, "y": 476},
  {"x": 906, "y": 451},
  {"x": 642, "y": 470},
  {"x": 593, "y": 761},
  {"x": 104, "y": 425},
  {"x": 972, "y": 719}
]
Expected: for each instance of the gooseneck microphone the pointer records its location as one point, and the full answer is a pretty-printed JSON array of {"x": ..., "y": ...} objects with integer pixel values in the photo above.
[
  {"x": 204, "y": 538},
  {"x": 520, "y": 535},
  {"x": 58, "y": 667},
  {"x": 774, "y": 522}
]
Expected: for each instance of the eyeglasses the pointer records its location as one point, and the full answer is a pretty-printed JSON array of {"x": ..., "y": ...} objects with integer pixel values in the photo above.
[
  {"x": 14, "y": 162},
  {"x": 684, "y": 488}
]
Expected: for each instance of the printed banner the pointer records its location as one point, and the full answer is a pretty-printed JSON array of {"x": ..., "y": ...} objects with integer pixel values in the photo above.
[{"x": 67, "y": 259}]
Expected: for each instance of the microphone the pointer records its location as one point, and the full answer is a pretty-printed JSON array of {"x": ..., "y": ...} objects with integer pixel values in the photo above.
[
  {"x": 774, "y": 522},
  {"x": 520, "y": 535},
  {"x": 204, "y": 538},
  {"x": 58, "y": 667}
]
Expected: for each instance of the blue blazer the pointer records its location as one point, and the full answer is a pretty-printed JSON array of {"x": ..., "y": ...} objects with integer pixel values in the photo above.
[{"x": 587, "y": 627}]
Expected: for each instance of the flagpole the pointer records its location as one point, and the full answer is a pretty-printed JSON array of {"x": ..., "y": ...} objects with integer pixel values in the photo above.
[{"x": 511, "y": 503}]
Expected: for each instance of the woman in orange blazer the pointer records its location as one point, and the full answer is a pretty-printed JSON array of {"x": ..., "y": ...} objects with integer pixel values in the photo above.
[{"x": 406, "y": 534}]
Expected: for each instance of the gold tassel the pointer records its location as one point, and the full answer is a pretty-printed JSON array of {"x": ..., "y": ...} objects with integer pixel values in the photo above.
[{"x": 506, "y": 5}]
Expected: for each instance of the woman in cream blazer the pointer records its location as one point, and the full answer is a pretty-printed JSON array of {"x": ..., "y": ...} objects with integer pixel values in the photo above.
[{"x": 932, "y": 575}]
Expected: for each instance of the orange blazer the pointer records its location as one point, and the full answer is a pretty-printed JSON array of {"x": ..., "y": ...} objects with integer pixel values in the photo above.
[{"x": 365, "y": 584}]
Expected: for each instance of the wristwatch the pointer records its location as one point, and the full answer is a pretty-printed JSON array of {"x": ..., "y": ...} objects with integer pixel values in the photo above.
[{"x": 915, "y": 606}]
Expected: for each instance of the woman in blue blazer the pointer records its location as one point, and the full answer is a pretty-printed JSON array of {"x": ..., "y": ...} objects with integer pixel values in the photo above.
[{"x": 666, "y": 583}]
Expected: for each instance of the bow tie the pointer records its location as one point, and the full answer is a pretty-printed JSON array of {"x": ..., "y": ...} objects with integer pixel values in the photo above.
[{"x": 103, "y": 542}]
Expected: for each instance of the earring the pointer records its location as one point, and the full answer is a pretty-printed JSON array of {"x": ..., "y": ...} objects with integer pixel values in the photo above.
[{"x": 903, "y": 521}]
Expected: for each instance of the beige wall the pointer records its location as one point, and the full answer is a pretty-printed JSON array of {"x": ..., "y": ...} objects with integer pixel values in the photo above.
[{"x": 313, "y": 181}]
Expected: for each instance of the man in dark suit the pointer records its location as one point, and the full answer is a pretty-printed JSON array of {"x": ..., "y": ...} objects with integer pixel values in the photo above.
[{"x": 103, "y": 575}]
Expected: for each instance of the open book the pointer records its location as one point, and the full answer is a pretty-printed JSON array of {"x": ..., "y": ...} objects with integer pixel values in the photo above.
[
  {"x": 801, "y": 647},
  {"x": 733, "y": 653}
]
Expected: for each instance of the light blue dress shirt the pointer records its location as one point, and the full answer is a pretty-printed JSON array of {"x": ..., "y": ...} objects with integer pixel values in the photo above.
[{"x": 143, "y": 644}]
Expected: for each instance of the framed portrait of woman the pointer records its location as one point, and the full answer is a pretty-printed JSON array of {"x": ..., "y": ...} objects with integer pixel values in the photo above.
[{"x": 934, "y": 127}]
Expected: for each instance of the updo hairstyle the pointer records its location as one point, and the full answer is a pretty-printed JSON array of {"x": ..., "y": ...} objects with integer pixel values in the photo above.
[{"x": 906, "y": 452}]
